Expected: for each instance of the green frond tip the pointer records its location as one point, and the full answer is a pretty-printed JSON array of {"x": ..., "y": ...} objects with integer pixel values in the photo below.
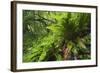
[{"x": 42, "y": 56}]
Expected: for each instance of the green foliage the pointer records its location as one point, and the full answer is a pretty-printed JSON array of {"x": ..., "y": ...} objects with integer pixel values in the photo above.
[{"x": 45, "y": 33}]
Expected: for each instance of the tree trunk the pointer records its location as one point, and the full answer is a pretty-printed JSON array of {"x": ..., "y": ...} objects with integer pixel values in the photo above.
[{"x": 66, "y": 52}]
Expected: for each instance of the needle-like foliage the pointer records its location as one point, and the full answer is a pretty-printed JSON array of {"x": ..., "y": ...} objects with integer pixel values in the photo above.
[{"x": 56, "y": 36}]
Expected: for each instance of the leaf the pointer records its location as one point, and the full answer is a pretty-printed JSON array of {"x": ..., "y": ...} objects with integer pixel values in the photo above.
[
  {"x": 42, "y": 56},
  {"x": 70, "y": 44},
  {"x": 81, "y": 44},
  {"x": 58, "y": 57}
]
